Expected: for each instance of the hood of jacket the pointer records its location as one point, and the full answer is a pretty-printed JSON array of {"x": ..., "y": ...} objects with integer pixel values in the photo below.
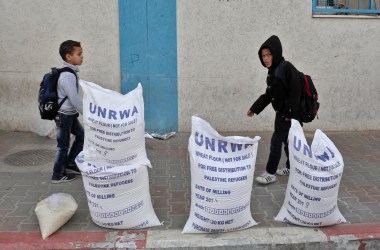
[{"x": 273, "y": 43}]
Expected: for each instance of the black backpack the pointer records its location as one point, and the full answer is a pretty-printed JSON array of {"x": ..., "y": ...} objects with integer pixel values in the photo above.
[
  {"x": 48, "y": 96},
  {"x": 309, "y": 100},
  {"x": 309, "y": 104}
]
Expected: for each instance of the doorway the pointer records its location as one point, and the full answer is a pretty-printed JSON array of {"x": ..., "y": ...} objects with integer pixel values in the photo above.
[{"x": 148, "y": 55}]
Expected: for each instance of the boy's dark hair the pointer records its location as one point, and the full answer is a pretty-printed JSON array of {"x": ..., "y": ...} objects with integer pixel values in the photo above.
[{"x": 67, "y": 47}]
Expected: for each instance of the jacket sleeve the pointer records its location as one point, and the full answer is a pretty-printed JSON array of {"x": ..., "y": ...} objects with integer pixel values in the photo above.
[
  {"x": 294, "y": 81},
  {"x": 68, "y": 83},
  {"x": 260, "y": 104}
]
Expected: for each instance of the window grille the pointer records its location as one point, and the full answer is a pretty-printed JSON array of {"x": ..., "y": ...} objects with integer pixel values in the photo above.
[{"x": 346, "y": 7}]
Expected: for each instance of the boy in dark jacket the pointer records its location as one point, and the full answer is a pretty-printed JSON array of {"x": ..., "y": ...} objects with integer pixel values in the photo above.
[{"x": 283, "y": 92}]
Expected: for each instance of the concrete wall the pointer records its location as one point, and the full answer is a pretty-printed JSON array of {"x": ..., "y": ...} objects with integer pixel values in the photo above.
[
  {"x": 219, "y": 73},
  {"x": 30, "y": 34}
]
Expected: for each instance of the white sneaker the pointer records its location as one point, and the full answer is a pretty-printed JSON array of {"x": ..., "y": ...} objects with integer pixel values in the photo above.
[
  {"x": 283, "y": 171},
  {"x": 266, "y": 178}
]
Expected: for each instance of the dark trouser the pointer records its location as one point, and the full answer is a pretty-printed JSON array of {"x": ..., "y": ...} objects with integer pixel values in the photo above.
[
  {"x": 279, "y": 137},
  {"x": 67, "y": 125}
]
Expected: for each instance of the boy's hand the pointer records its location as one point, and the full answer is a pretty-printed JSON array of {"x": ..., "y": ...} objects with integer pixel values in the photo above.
[{"x": 250, "y": 113}]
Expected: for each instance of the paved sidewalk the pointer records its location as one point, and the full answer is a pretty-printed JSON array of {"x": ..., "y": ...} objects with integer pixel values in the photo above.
[{"x": 25, "y": 170}]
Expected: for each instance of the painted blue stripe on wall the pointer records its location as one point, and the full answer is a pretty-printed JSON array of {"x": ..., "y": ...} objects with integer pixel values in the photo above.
[{"x": 148, "y": 54}]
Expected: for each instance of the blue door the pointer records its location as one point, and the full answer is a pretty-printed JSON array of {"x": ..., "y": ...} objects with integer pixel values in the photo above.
[{"x": 148, "y": 54}]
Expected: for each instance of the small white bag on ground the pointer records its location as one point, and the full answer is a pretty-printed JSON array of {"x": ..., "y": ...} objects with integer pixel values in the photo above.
[
  {"x": 54, "y": 211},
  {"x": 313, "y": 185},
  {"x": 118, "y": 195},
  {"x": 221, "y": 180},
  {"x": 43, "y": 128},
  {"x": 114, "y": 125}
]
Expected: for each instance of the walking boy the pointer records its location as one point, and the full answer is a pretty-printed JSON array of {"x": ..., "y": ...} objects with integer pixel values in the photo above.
[
  {"x": 67, "y": 122},
  {"x": 284, "y": 94}
]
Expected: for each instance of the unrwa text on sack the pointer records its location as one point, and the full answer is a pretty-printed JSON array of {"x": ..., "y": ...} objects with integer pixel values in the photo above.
[{"x": 210, "y": 144}]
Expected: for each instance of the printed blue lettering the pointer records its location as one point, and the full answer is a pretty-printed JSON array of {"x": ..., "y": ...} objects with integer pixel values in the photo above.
[
  {"x": 200, "y": 228},
  {"x": 222, "y": 146},
  {"x": 112, "y": 114},
  {"x": 102, "y": 112},
  {"x": 134, "y": 110},
  {"x": 236, "y": 146},
  {"x": 332, "y": 153},
  {"x": 234, "y": 210},
  {"x": 119, "y": 212},
  {"x": 200, "y": 141},
  {"x": 296, "y": 147},
  {"x": 124, "y": 114},
  {"x": 210, "y": 144},
  {"x": 323, "y": 157},
  {"x": 307, "y": 151},
  {"x": 92, "y": 110}
]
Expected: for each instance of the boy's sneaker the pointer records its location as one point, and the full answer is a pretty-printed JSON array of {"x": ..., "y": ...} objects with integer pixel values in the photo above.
[
  {"x": 73, "y": 169},
  {"x": 266, "y": 178},
  {"x": 64, "y": 178},
  {"x": 283, "y": 171}
]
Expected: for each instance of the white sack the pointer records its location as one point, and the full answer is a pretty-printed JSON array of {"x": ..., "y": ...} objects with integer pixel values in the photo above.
[
  {"x": 54, "y": 211},
  {"x": 313, "y": 185},
  {"x": 114, "y": 125},
  {"x": 221, "y": 180},
  {"x": 118, "y": 195},
  {"x": 43, "y": 128}
]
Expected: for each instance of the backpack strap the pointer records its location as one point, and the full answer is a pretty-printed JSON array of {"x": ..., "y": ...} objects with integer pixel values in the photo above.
[
  {"x": 279, "y": 71},
  {"x": 61, "y": 102},
  {"x": 66, "y": 69}
]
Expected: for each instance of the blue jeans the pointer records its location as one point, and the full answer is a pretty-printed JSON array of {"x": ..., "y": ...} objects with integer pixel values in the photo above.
[
  {"x": 67, "y": 125},
  {"x": 278, "y": 138}
]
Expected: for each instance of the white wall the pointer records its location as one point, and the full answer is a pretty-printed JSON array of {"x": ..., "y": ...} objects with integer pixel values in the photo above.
[
  {"x": 30, "y": 34},
  {"x": 220, "y": 75}
]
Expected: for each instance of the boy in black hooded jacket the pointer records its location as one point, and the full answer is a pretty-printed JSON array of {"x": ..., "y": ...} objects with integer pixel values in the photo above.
[{"x": 284, "y": 94}]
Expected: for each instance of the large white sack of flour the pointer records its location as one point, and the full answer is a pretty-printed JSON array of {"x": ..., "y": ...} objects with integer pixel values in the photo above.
[
  {"x": 118, "y": 195},
  {"x": 221, "y": 180},
  {"x": 114, "y": 125},
  {"x": 313, "y": 185}
]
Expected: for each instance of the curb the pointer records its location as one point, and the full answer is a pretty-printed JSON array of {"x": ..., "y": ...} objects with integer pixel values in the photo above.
[
  {"x": 360, "y": 236},
  {"x": 130, "y": 239}
]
